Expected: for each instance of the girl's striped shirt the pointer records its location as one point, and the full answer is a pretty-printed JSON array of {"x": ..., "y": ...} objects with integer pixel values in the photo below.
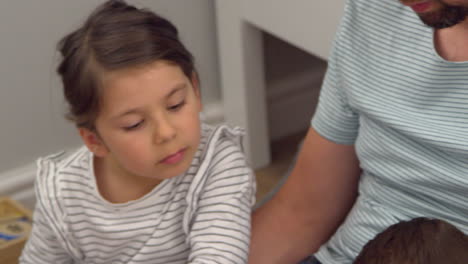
[{"x": 202, "y": 216}]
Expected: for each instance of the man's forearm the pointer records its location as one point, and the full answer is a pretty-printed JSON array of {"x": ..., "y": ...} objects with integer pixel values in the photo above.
[
  {"x": 278, "y": 237},
  {"x": 310, "y": 206},
  {"x": 281, "y": 234}
]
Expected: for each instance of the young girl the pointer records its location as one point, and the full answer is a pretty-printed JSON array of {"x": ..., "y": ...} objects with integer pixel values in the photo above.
[{"x": 152, "y": 184}]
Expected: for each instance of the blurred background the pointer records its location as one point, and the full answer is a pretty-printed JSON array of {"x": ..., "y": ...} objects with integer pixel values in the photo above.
[{"x": 286, "y": 41}]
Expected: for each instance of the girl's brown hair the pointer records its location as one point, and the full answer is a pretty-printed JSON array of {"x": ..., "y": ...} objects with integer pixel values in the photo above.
[
  {"x": 115, "y": 36},
  {"x": 418, "y": 241}
]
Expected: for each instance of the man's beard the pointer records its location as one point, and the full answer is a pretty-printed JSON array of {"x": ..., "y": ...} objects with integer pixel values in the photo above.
[{"x": 446, "y": 17}]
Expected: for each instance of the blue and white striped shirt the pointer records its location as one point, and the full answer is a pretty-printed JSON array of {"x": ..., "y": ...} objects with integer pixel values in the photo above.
[{"x": 388, "y": 92}]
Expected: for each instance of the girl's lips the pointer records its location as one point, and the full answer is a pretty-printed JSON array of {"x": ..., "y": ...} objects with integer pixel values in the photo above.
[
  {"x": 174, "y": 158},
  {"x": 421, "y": 7}
]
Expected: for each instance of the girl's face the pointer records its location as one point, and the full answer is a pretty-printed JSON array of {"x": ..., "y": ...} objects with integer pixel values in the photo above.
[{"x": 148, "y": 125}]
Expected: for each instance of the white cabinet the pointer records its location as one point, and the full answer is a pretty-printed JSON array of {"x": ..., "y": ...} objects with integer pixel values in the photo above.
[{"x": 307, "y": 24}]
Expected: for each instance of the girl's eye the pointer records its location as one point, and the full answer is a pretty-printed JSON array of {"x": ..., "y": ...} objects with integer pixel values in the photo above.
[
  {"x": 176, "y": 107},
  {"x": 133, "y": 127}
]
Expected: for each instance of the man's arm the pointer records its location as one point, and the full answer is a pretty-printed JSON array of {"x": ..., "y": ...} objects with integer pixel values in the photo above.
[{"x": 310, "y": 206}]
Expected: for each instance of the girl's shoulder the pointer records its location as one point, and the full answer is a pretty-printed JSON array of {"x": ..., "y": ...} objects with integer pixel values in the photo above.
[
  {"x": 53, "y": 170},
  {"x": 222, "y": 170},
  {"x": 221, "y": 147},
  {"x": 223, "y": 157},
  {"x": 221, "y": 138}
]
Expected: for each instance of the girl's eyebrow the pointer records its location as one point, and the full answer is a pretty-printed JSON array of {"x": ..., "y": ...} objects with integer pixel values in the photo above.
[
  {"x": 178, "y": 87},
  {"x": 130, "y": 111},
  {"x": 175, "y": 89}
]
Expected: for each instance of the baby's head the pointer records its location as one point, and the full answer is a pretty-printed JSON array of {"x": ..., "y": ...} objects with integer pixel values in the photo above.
[
  {"x": 418, "y": 241},
  {"x": 132, "y": 90}
]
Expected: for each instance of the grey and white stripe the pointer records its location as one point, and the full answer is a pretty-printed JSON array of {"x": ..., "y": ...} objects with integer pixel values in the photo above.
[
  {"x": 202, "y": 216},
  {"x": 405, "y": 109}
]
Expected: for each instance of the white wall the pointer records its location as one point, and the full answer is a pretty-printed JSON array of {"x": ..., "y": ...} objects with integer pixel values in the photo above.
[
  {"x": 307, "y": 24},
  {"x": 31, "y": 104}
]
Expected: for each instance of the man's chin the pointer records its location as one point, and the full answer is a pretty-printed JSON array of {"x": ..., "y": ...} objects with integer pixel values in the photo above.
[{"x": 448, "y": 17}]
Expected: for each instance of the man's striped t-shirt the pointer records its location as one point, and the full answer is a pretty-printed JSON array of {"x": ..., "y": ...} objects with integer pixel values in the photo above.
[
  {"x": 202, "y": 216},
  {"x": 405, "y": 108}
]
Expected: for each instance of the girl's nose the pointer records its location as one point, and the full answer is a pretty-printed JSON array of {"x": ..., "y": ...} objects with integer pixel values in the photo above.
[{"x": 164, "y": 131}]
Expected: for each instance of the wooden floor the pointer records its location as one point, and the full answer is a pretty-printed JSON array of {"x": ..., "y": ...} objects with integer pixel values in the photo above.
[{"x": 282, "y": 154}]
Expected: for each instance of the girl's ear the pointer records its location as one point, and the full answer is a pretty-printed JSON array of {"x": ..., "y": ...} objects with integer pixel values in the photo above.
[{"x": 94, "y": 143}]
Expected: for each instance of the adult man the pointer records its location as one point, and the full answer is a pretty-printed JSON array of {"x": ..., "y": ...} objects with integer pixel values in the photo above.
[{"x": 389, "y": 140}]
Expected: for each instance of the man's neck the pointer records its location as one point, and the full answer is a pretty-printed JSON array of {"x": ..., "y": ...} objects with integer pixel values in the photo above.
[{"x": 451, "y": 42}]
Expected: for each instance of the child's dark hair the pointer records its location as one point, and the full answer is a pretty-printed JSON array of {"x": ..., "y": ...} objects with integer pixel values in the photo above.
[
  {"x": 418, "y": 241},
  {"x": 115, "y": 36}
]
